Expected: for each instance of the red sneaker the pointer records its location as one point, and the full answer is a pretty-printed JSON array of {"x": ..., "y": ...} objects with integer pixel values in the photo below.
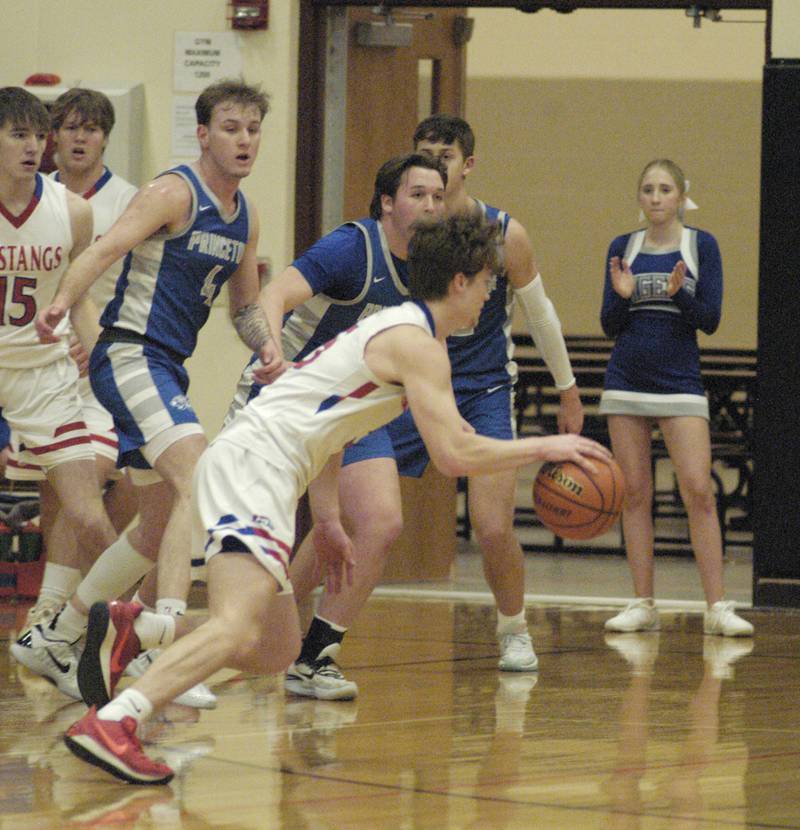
[
  {"x": 111, "y": 643},
  {"x": 113, "y": 746}
]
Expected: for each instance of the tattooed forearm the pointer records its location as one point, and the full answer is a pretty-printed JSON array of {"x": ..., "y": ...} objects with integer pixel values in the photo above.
[{"x": 252, "y": 326}]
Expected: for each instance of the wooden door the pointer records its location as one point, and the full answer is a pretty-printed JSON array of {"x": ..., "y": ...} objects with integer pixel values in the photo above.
[
  {"x": 390, "y": 89},
  {"x": 358, "y": 106}
]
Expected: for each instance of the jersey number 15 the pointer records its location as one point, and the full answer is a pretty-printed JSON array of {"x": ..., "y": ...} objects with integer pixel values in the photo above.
[{"x": 22, "y": 289}]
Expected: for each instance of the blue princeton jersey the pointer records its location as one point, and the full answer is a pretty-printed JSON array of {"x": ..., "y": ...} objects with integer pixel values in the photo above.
[
  {"x": 169, "y": 281},
  {"x": 352, "y": 273},
  {"x": 481, "y": 357}
]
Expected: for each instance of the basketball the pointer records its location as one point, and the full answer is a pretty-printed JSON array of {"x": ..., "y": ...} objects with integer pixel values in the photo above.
[{"x": 577, "y": 504}]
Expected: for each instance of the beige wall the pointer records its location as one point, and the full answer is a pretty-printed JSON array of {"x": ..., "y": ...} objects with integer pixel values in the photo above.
[
  {"x": 569, "y": 108},
  {"x": 569, "y": 175},
  {"x": 662, "y": 45}
]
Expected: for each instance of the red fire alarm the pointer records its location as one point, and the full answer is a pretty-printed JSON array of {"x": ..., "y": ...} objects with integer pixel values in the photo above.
[{"x": 249, "y": 14}]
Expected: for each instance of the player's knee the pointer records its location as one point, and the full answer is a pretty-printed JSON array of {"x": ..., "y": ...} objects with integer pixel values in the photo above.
[
  {"x": 699, "y": 495},
  {"x": 376, "y": 529},
  {"x": 87, "y": 517},
  {"x": 276, "y": 657},
  {"x": 493, "y": 533},
  {"x": 259, "y": 652},
  {"x": 146, "y": 540},
  {"x": 392, "y": 527},
  {"x": 638, "y": 498}
]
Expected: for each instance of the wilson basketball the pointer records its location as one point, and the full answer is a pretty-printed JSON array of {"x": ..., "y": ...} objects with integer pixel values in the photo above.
[{"x": 577, "y": 504}]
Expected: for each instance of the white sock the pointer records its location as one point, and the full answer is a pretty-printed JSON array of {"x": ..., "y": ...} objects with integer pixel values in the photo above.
[
  {"x": 69, "y": 624},
  {"x": 118, "y": 567},
  {"x": 170, "y": 605},
  {"x": 58, "y": 583},
  {"x": 154, "y": 630},
  {"x": 511, "y": 625},
  {"x": 128, "y": 704}
]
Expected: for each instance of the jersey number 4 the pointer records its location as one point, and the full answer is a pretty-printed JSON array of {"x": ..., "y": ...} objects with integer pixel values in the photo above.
[
  {"x": 22, "y": 289},
  {"x": 210, "y": 288}
]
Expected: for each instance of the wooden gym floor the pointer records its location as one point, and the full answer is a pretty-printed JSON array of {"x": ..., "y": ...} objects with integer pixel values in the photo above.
[{"x": 650, "y": 731}]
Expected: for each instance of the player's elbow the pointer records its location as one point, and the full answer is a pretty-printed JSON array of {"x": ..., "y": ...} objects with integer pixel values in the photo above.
[{"x": 448, "y": 462}]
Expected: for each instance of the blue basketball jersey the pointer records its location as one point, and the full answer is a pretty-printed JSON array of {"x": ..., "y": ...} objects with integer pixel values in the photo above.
[
  {"x": 481, "y": 356},
  {"x": 169, "y": 281},
  {"x": 353, "y": 274}
]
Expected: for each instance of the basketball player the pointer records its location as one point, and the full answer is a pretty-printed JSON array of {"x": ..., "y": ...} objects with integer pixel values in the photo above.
[
  {"x": 183, "y": 236},
  {"x": 483, "y": 379},
  {"x": 248, "y": 483},
  {"x": 353, "y": 271},
  {"x": 82, "y": 123},
  {"x": 336, "y": 281},
  {"x": 42, "y": 228},
  {"x": 82, "y": 120}
]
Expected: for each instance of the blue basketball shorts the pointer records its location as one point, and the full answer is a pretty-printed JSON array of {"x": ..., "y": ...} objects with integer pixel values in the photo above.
[
  {"x": 145, "y": 392},
  {"x": 490, "y": 412}
]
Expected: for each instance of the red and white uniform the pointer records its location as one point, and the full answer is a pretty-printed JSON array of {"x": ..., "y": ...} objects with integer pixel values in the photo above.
[
  {"x": 247, "y": 483},
  {"x": 108, "y": 198},
  {"x": 38, "y": 381}
]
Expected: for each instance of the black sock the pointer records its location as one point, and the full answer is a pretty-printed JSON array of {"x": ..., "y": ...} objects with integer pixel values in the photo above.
[{"x": 320, "y": 636}]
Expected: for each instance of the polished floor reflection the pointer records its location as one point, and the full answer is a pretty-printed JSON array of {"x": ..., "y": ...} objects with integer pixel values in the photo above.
[{"x": 665, "y": 730}]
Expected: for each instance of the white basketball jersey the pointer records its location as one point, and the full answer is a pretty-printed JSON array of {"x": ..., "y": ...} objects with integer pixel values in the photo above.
[
  {"x": 327, "y": 401},
  {"x": 34, "y": 253},
  {"x": 108, "y": 197}
]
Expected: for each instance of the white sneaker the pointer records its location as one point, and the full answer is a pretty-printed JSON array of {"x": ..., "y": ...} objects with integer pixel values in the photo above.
[
  {"x": 39, "y": 650},
  {"x": 638, "y": 615},
  {"x": 721, "y": 653},
  {"x": 639, "y": 650},
  {"x": 722, "y": 619},
  {"x": 516, "y": 653},
  {"x": 320, "y": 678},
  {"x": 198, "y": 697}
]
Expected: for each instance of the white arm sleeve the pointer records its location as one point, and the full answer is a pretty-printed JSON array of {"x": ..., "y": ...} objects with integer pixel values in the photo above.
[{"x": 545, "y": 329}]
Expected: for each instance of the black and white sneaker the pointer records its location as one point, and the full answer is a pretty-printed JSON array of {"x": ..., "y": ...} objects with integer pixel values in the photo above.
[
  {"x": 39, "y": 650},
  {"x": 320, "y": 678}
]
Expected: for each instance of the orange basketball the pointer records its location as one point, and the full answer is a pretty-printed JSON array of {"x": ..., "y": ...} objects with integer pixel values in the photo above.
[{"x": 577, "y": 504}]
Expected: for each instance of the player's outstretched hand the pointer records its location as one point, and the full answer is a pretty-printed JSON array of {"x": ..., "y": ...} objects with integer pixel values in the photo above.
[
  {"x": 335, "y": 557},
  {"x": 273, "y": 364},
  {"x": 46, "y": 322},
  {"x": 575, "y": 448}
]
